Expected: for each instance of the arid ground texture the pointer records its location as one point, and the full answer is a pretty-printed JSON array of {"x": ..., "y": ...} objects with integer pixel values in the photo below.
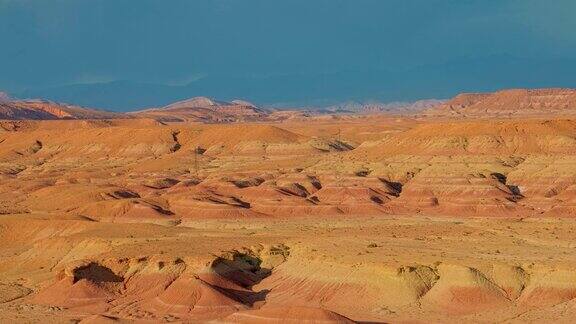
[{"x": 206, "y": 211}]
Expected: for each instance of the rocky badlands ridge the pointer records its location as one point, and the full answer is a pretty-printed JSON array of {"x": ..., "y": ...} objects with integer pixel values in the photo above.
[
  {"x": 47, "y": 110},
  {"x": 391, "y": 166},
  {"x": 370, "y": 219},
  {"x": 514, "y": 102},
  {"x": 57, "y": 268}
]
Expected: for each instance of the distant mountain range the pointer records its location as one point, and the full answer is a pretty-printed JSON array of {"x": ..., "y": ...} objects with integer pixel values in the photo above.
[
  {"x": 202, "y": 109},
  {"x": 392, "y": 107},
  {"x": 325, "y": 89},
  {"x": 4, "y": 97},
  {"x": 197, "y": 109},
  {"x": 504, "y": 103}
]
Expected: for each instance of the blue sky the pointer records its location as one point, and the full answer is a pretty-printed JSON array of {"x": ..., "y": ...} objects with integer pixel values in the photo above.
[{"x": 123, "y": 54}]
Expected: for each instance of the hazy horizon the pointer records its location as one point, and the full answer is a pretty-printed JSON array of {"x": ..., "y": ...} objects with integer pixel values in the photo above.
[{"x": 124, "y": 55}]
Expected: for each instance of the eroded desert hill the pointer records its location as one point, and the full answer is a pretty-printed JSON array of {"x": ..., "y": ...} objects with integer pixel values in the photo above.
[
  {"x": 367, "y": 218},
  {"x": 47, "y": 110},
  {"x": 202, "y": 109},
  {"x": 511, "y": 103},
  {"x": 377, "y": 166}
]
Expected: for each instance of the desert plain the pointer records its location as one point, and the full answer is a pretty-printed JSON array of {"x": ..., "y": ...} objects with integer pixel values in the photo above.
[{"x": 461, "y": 213}]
